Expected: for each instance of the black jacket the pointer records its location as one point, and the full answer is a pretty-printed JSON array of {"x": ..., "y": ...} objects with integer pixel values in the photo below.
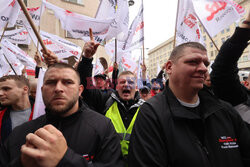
[
  {"x": 86, "y": 133},
  {"x": 167, "y": 134},
  {"x": 224, "y": 76},
  {"x": 100, "y": 101}
]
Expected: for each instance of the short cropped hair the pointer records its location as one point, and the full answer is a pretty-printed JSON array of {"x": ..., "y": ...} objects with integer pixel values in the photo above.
[
  {"x": 126, "y": 73},
  {"x": 61, "y": 66},
  {"x": 19, "y": 79},
  {"x": 176, "y": 53}
]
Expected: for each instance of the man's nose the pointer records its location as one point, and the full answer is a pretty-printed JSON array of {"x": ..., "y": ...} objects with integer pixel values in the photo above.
[
  {"x": 202, "y": 67},
  {"x": 59, "y": 87}
]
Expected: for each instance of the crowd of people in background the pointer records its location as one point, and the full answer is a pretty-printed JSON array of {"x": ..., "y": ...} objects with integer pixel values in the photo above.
[{"x": 183, "y": 117}]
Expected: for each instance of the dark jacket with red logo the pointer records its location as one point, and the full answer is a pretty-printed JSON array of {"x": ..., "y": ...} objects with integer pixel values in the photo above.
[
  {"x": 168, "y": 134},
  {"x": 91, "y": 140}
]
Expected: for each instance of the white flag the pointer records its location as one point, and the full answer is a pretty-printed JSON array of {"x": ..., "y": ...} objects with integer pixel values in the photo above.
[
  {"x": 8, "y": 12},
  {"x": 135, "y": 35},
  {"x": 17, "y": 36},
  {"x": 24, "y": 58},
  {"x": 217, "y": 15},
  {"x": 107, "y": 9},
  {"x": 139, "y": 73},
  {"x": 39, "y": 108},
  {"x": 65, "y": 50},
  {"x": 98, "y": 68},
  {"x": 35, "y": 14},
  {"x": 187, "y": 28},
  {"x": 4, "y": 66}
]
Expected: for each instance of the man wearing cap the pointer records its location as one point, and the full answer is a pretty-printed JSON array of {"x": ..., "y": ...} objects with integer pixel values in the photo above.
[{"x": 100, "y": 81}]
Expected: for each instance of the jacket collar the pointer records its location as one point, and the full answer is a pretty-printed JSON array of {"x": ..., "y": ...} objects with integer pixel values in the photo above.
[
  {"x": 137, "y": 100},
  {"x": 209, "y": 104}
]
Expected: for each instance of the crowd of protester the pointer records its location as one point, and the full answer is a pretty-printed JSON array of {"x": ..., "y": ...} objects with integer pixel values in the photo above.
[{"x": 192, "y": 119}]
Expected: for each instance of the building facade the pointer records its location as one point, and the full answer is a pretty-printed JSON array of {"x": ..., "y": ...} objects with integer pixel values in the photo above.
[{"x": 160, "y": 54}]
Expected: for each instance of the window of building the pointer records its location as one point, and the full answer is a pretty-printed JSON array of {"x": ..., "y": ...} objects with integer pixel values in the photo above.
[
  {"x": 68, "y": 34},
  {"x": 228, "y": 29},
  {"x": 223, "y": 31},
  {"x": 215, "y": 52},
  {"x": 80, "y": 2}
]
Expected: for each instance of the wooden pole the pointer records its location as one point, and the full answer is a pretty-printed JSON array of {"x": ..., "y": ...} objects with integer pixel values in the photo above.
[
  {"x": 177, "y": 12},
  {"x": 9, "y": 64},
  {"x": 32, "y": 25},
  {"x": 4, "y": 31},
  {"x": 209, "y": 36}
]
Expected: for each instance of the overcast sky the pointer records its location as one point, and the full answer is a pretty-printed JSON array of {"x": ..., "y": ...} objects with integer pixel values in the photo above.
[{"x": 159, "y": 20}]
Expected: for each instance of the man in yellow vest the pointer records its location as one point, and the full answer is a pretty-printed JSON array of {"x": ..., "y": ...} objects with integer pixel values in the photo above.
[{"x": 121, "y": 106}]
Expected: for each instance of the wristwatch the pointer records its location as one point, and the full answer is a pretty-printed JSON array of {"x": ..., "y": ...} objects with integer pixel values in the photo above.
[{"x": 246, "y": 22}]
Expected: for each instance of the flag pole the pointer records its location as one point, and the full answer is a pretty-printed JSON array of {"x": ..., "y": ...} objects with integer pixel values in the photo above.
[
  {"x": 177, "y": 12},
  {"x": 32, "y": 25},
  {"x": 39, "y": 26},
  {"x": 115, "y": 50},
  {"x": 143, "y": 53},
  {"x": 9, "y": 64},
  {"x": 3, "y": 53},
  {"x": 209, "y": 35},
  {"x": 4, "y": 31}
]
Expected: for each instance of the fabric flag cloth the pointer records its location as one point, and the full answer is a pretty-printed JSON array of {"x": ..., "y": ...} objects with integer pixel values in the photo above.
[
  {"x": 139, "y": 73},
  {"x": 24, "y": 58},
  {"x": 98, "y": 68},
  {"x": 17, "y": 36},
  {"x": 12, "y": 59},
  {"x": 119, "y": 26},
  {"x": 78, "y": 25},
  {"x": 218, "y": 14},
  {"x": 5, "y": 69},
  {"x": 107, "y": 9},
  {"x": 35, "y": 14},
  {"x": 135, "y": 35},
  {"x": 39, "y": 108},
  {"x": 8, "y": 12},
  {"x": 65, "y": 50},
  {"x": 187, "y": 28}
]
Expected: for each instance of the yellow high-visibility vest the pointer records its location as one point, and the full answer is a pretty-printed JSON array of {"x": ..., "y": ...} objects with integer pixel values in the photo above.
[{"x": 114, "y": 114}]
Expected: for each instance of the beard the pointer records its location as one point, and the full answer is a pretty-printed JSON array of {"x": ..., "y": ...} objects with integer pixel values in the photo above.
[{"x": 60, "y": 109}]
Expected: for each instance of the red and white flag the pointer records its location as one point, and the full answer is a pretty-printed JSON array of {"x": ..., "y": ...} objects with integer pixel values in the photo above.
[
  {"x": 4, "y": 66},
  {"x": 217, "y": 15},
  {"x": 187, "y": 27},
  {"x": 24, "y": 58},
  {"x": 8, "y": 12},
  {"x": 107, "y": 9},
  {"x": 17, "y": 36},
  {"x": 35, "y": 14}
]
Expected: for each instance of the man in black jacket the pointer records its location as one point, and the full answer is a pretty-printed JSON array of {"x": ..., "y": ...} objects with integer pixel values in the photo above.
[
  {"x": 225, "y": 80},
  {"x": 121, "y": 106},
  {"x": 185, "y": 125},
  {"x": 70, "y": 134}
]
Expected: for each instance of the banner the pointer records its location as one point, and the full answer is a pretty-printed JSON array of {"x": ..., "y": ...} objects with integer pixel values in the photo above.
[
  {"x": 187, "y": 28},
  {"x": 139, "y": 73},
  {"x": 98, "y": 68},
  {"x": 135, "y": 35},
  {"x": 65, "y": 50},
  {"x": 78, "y": 25},
  {"x": 5, "y": 69},
  {"x": 8, "y": 12},
  {"x": 17, "y": 36},
  {"x": 35, "y": 14},
  {"x": 25, "y": 59},
  {"x": 217, "y": 15},
  {"x": 107, "y": 9}
]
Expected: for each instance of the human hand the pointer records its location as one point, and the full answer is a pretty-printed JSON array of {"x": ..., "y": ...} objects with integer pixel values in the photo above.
[
  {"x": 46, "y": 147},
  {"x": 38, "y": 60},
  {"x": 90, "y": 47},
  {"x": 50, "y": 58}
]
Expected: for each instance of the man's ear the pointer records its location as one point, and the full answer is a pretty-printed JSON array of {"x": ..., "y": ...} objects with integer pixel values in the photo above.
[
  {"x": 169, "y": 66},
  {"x": 81, "y": 88},
  {"x": 26, "y": 89}
]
